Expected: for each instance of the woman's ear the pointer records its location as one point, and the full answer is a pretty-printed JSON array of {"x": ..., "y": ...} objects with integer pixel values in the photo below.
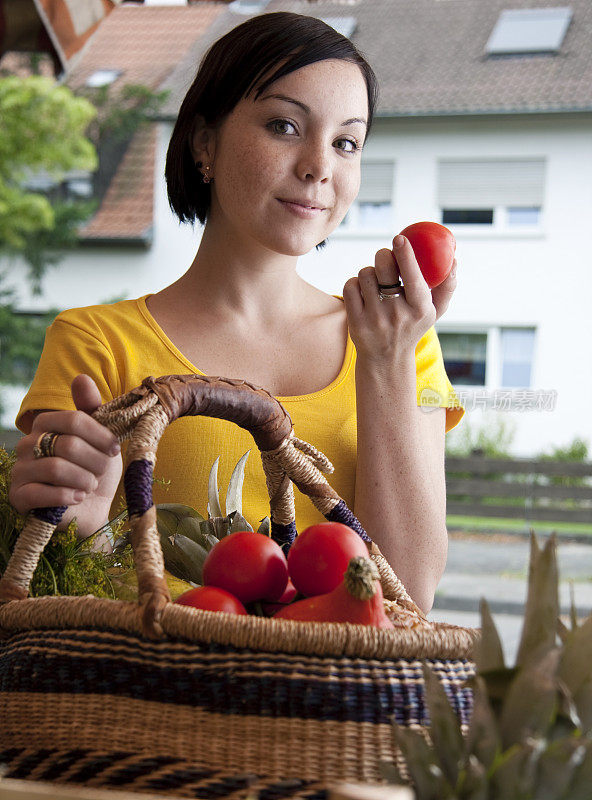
[{"x": 202, "y": 143}]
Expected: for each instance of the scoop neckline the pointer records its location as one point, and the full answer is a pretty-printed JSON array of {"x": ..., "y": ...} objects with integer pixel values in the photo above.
[{"x": 345, "y": 366}]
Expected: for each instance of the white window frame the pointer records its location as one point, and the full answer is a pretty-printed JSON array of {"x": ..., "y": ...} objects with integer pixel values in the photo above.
[{"x": 493, "y": 353}]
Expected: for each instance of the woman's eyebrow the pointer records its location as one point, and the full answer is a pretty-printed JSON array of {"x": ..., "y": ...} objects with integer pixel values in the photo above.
[{"x": 306, "y": 109}]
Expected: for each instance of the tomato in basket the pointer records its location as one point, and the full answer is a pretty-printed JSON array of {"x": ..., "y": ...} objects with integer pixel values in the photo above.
[
  {"x": 249, "y": 565},
  {"x": 211, "y": 598},
  {"x": 319, "y": 557}
]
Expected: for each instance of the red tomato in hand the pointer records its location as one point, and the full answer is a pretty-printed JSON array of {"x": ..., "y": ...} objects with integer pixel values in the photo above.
[
  {"x": 433, "y": 246},
  {"x": 249, "y": 565},
  {"x": 319, "y": 557},
  {"x": 211, "y": 598}
]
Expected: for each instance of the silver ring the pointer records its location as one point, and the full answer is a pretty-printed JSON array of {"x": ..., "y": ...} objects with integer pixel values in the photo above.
[{"x": 398, "y": 287}]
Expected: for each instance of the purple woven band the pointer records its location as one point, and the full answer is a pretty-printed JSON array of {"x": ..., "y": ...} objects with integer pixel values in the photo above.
[
  {"x": 284, "y": 535},
  {"x": 341, "y": 513},
  {"x": 137, "y": 482},
  {"x": 51, "y": 514}
]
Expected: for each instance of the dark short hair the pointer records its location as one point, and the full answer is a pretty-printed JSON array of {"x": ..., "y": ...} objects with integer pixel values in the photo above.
[{"x": 229, "y": 71}]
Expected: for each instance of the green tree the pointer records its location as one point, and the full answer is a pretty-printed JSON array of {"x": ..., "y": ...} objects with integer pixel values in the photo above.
[{"x": 43, "y": 127}]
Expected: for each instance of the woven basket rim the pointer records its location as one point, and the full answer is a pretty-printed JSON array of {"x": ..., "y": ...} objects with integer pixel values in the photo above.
[{"x": 442, "y": 640}]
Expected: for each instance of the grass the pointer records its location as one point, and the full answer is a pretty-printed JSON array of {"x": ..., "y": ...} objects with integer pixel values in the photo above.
[{"x": 455, "y": 521}]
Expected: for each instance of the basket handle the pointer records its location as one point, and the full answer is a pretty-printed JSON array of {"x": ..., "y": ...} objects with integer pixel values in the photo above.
[{"x": 142, "y": 416}]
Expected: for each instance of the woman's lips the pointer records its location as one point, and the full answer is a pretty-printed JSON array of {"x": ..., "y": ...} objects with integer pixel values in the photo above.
[{"x": 301, "y": 211}]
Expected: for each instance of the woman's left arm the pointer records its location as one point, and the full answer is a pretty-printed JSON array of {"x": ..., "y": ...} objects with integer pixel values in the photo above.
[{"x": 400, "y": 496}]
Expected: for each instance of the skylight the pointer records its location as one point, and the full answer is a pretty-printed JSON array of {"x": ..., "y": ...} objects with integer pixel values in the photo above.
[
  {"x": 529, "y": 30},
  {"x": 103, "y": 77}
]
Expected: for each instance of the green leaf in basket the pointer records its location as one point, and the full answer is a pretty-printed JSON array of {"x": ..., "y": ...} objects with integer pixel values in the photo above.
[
  {"x": 234, "y": 495},
  {"x": 179, "y": 510},
  {"x": 214, "y": 509},
  {"x": 265, "y": 527},
  {"x": 177, "y": 563},
  {"x": 191, "y": 528},
  {"x": 445, "y": 731},
  {"x": 191, "y": 556}
]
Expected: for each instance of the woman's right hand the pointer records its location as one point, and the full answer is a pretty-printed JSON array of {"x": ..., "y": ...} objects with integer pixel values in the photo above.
[{"x": 85, "y": 469}]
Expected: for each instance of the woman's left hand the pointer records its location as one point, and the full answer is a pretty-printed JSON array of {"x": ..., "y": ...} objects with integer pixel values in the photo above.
[{"x": 381, "y": 329}]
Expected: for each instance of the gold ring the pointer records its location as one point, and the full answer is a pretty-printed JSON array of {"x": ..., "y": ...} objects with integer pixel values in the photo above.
[{"x": 45, "y": 445}]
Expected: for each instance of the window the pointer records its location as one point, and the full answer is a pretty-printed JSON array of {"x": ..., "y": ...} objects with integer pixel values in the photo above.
[
  {"x": 500, "y": 193},
  {"x": 517, "y": 346},
  {"x": 497, "y": 357},
  {"x": 102, "y": 77},
  {"x": 529, "y": 30},
  {"x": 464, "y": 357},
  {"x": 373, "y": 208}
]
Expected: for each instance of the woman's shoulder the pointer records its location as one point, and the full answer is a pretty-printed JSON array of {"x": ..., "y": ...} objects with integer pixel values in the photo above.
[{"x": 103, "y": 315}]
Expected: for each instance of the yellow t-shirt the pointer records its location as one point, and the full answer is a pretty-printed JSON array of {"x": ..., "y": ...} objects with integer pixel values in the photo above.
[{"x": 120, "y": 344}]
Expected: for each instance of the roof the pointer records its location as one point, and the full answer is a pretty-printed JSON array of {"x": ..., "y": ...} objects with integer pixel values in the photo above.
[
  {"x": 144, "y": 44},
  {"x": 430, "y": 56}
]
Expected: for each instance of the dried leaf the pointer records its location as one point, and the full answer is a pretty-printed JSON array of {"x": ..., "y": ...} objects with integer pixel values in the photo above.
[
  {"x": 542, "y": 603},
  {"x": 265, "y": 526},
  {"x": 579, "y": 788},
  {"x": 427, "y": 778},
  {"x": 214, "y": 509},
  {"x": 531, "y": 702},
  {"x": 483, "y": 739},
  {"x": 489, "y": 654},
  {"x": 473, "y": 781},
  {"x": 576, "y": 659},
  {"x": 514, "y": 773},
  {"x": 191, "y": 528},
  {"x": 583, "y": 702},
  {"x": 239, "y": 523},
  {"x": 556, "y": 767},
  {"x": 176, "y": 562},
  {"x": 234, "y": 495},
  {"x": 217, "y": 526},
  {"x": 445, "y": 731}
]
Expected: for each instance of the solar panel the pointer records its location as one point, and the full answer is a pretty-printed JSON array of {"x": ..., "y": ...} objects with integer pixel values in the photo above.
[{"x": 529, "y": 30}]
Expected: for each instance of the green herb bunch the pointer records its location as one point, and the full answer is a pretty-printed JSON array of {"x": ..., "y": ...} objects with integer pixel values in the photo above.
[
  {"x": 530, "y": 733},
  {"x": 68, "y": 565}
]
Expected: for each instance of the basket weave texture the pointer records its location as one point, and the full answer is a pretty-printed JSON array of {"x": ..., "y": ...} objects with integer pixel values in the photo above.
[{"x": 158, "y": 697}]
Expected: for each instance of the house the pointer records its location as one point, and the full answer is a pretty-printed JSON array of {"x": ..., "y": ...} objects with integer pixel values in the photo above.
[{"x": 484, "y": 124}]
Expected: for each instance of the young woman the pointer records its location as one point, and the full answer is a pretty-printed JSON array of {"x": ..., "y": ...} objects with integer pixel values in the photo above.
[{"x": 269, "y": 161}]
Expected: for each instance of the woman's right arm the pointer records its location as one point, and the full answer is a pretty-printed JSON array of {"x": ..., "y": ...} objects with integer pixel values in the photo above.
[{"x": 83, "y": 474}]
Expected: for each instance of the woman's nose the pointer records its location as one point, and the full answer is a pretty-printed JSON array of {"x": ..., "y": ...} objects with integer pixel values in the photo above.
[{"x": 315, "y": 162}]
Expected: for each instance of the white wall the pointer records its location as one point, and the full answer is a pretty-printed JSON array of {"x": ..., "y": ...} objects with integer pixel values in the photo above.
[{"x": 541, "y": 279}]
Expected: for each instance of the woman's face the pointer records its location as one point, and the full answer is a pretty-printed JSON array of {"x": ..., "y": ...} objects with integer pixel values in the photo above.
[{"x": 271, "y": 150}]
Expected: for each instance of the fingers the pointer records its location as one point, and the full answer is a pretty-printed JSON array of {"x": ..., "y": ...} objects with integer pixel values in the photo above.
[
  {"x": 79, "y": 424},
  {"x": 442, "y": 294},
  {"x": 417, "y": 292},
  {"x": 85, "y": 393}
]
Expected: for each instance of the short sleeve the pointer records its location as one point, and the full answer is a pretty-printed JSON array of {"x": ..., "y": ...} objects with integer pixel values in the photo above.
[
  {"x": 69, "y": 350},
  {"x": 433, "y": 386}
]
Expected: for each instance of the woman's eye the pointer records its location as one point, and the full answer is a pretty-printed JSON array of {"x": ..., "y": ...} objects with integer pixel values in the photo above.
[{"x": 273, "y": 125}]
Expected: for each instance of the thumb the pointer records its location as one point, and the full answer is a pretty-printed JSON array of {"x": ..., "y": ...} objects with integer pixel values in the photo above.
[{"x": 85, "y": 394}]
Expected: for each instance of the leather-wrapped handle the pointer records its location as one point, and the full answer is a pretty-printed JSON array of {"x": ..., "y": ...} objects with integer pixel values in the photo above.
[{"x": 141, "y": 416}]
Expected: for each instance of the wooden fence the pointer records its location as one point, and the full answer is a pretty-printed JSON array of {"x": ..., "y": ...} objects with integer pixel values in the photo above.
[{"x": 553, "y": 491}]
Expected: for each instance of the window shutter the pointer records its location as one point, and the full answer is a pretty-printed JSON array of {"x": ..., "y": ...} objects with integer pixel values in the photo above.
[
  {"x": 376, "y": 182},
  {"x": 490, "y": 183}
]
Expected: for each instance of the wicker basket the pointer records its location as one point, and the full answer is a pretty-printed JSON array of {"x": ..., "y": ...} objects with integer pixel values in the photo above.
[{"x": 157, "y": 697}]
